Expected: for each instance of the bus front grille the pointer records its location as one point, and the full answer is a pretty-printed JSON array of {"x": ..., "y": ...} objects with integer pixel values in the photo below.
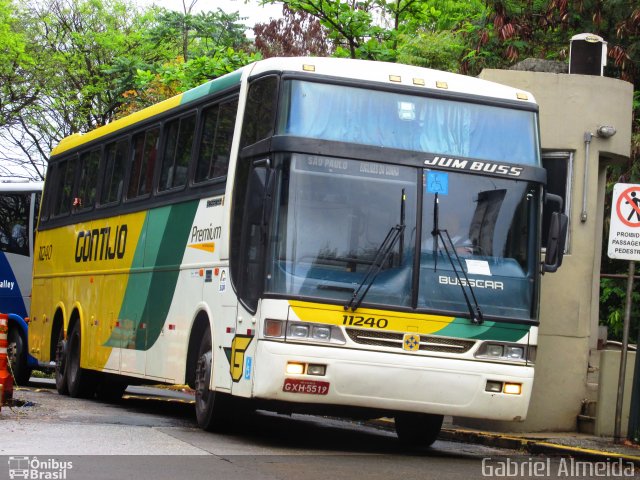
[{"x": 428, "y": 343}]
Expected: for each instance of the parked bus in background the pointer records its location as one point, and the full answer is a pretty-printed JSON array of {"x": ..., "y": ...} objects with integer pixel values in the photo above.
[
  {"x": 19, "y": 203},
  {"x": 304, "y": 234}
]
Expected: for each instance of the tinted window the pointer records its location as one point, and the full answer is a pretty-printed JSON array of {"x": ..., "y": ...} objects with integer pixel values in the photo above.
[
  {"x": 64, "y": 178},
  {"x": 14, "y": 223},
  {"x": 86, "y": 196},
  {"x": 218, "y": 123},
  {"x": 143, "y": 160},
  {"x": 177, "y": 152},
  {"x": 260, "y": 111},
  {"x": 115, "y": 156}
]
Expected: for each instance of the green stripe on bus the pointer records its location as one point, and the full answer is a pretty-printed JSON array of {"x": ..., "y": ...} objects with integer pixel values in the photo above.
[
  {"x": 213, "y": 86},
  {"x": 463, "y": 328},
  {"x": 149, "y": 292}
]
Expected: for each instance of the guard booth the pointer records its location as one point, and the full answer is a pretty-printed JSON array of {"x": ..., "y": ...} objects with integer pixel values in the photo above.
[
  {"x": 585, "y": 122},
  {"x": 587, "y": 54}
]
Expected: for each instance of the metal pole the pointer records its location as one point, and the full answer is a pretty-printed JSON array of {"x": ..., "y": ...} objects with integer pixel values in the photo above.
[
  {"x": 623, "y": 357},
  {"x": 633, "y": 431}
]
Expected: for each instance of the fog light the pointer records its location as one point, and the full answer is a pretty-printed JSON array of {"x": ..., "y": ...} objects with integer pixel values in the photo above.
[
  {"x": 299, "y": 331},
  {"x": 273, "y": 328},
  {"x": 318, "y": 370},
  {"x": 513, "y": 388},
  {"x": 294, "y": 368},
  {"x": 493, "y": 386}
]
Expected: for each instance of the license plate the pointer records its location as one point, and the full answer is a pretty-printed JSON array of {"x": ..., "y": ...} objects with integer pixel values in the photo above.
[{"x": 311, "y": 387}]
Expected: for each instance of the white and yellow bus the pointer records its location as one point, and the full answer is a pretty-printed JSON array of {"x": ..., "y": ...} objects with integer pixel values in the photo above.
[{"x": 311, "y": 234}]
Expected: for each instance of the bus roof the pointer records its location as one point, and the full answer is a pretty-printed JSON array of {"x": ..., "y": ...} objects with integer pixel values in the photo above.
[
  {"x": 365, "y": 70},
  {"x": 21, "y": 186},
  {"x": 212, "y": 86},
  {"x": 394, "y": 74}
]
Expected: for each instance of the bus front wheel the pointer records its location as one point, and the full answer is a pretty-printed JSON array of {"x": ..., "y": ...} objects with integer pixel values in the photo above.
[
  {"x": 212, "y": 408},
  {"x": 418, "y": 429}
]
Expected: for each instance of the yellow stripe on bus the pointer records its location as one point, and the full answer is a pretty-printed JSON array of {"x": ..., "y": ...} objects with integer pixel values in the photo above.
[
  {"x": 369, "y": 318},
  {"x": 78, "y": 139}
]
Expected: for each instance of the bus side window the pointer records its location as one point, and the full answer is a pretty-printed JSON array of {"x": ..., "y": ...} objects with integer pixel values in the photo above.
[
  {"x": 89, "y": 163},
  {"x": 260, "y": 111},
  {"x": 177, "y": 152},
  {"x": 14, "y": 223},
  {"x": 143, "y": 161},
  {"x": 115, "y": 157},
  {"x": 63, "y": 189},
  {"x": 215, "y": 145}
]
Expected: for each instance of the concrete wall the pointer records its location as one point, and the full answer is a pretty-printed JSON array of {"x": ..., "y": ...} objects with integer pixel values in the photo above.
[
  {"x": 608, "y": 392},
  {"x": 571, "y": 105}
]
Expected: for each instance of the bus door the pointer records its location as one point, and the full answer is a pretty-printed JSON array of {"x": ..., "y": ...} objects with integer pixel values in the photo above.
[{"x": 251, "y": 265}]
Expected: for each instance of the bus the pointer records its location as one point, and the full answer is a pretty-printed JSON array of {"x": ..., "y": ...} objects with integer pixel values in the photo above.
[
  {"x": 317, "y": 235},
  {"x": 19, "y": 202}
]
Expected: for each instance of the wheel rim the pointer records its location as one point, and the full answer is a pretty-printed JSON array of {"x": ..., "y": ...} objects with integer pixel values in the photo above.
[
  {"x": 12, "y": 354},
  {"x": 203, "y": 380},
  {"x": 60, "y": 357}
]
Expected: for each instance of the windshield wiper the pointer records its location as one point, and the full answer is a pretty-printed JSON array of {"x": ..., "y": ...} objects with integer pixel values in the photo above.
[
  {"x": 475, "y": 314},
  {"x": 382, "y": 254}
]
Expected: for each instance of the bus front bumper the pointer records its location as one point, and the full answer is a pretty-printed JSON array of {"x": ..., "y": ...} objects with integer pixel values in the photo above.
[{"x": 391, "y": 381}]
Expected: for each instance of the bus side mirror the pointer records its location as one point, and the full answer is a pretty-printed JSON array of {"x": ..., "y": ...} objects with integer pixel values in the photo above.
[{"x": 556, "y": 242}]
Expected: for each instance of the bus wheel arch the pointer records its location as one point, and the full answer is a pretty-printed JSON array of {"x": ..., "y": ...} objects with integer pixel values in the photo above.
[{"x": 200, "y": 325}]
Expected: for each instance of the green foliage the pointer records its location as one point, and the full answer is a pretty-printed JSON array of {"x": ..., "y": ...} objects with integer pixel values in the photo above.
[
  {"x": 163, "y": 81},
  {"x": 613, "y": 292},
  {"x": 439, "y": 50}
]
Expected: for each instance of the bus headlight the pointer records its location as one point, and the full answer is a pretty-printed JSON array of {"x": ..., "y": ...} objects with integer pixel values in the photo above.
[
  {"x": 506, "y": 352},
  {"x": 303, "y": 331}
]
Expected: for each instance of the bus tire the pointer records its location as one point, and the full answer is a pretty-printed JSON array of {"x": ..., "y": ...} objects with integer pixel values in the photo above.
[
  {"x": 109, "y": 389},
  {"x": 61, "y": 363},
  {"x": 213, "y": 411},
  {"x": 418, "y": 429},
  {"x": 80, "y": 381},
  {"x": 18, "y": 357}
]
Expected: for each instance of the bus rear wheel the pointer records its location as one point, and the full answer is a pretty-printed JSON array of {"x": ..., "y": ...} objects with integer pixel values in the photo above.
[
  {"x": 80, "y": 381},
  {"x": 61, "y": 363},
  {"x": 213, "y": 411},
  {"x": 418, "y": 429},
  {"x": 18, "y": 357}
]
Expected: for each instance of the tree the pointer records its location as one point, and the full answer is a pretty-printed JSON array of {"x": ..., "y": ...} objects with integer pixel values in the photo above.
[
  {"x": 365, "y": 29},
  {"x": 295, "y": 34},
  {"x": 79, "y": 53},
  {"x": 187, "y": 35}
]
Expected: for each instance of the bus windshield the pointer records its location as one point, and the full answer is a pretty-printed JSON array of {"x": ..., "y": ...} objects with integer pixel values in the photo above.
[
  {"x": 409, "y": 122},
  {"x": 332, "y": 215}
]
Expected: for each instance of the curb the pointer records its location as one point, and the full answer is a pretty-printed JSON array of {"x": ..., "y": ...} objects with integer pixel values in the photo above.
[
  {"x": 533, "y": 446},
  {"x": 523, "y": 444}
]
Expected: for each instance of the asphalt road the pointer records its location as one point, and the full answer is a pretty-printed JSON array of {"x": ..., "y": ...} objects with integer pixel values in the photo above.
[{"x": 152, "y": 434}]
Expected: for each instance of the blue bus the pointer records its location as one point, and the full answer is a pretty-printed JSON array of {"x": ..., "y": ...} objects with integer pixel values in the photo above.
[{"x": 19, "y": 203}]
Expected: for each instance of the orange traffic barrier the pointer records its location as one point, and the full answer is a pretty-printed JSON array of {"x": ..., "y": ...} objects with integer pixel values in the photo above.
[{"x": 6, "y": 381}]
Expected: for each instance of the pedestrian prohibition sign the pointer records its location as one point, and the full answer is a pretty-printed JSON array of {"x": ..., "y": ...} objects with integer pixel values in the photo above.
[{"x": 624, "y": 233}]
